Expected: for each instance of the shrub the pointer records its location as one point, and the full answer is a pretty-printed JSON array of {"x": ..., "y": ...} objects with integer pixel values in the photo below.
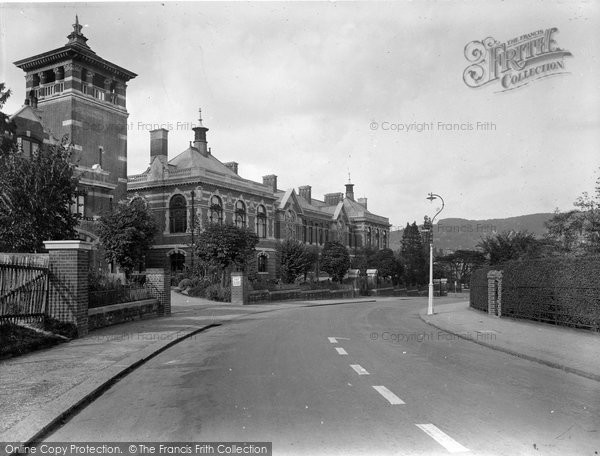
[
  {"x": 185, "y": 283},
  {"x": 217, "y": 292}
]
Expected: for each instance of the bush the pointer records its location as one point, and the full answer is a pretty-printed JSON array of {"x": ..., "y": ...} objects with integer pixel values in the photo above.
[
  {"x": 185, "y": 283},
  {"x": 216, "y": 292}
]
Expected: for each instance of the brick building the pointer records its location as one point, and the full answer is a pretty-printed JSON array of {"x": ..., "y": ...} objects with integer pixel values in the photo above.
[
  {"x": 196, "y": 182},
  {"x": 74, "y": 93}
]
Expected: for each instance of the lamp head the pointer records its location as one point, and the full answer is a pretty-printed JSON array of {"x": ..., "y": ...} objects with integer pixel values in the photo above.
[{"x": 431, "y": 197}]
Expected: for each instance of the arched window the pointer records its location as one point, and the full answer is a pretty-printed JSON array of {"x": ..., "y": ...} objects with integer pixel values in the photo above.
[
  {"x": 216, "y": 209},
  {"x": 177, "y": 262},
  {"x": 384, "y": 240},
  {"x": 177, "y": 214},
  {"x": 369, "y": 236},
  {"x": 377, "y": 238},
  {"x": 262, "y": 263},
  {"x": 261, "y": 221},
  {"x": 240, "y": 214}
]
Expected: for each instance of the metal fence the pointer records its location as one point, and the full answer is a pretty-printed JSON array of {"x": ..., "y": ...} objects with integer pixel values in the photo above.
[{"x": 120, "y": 294}]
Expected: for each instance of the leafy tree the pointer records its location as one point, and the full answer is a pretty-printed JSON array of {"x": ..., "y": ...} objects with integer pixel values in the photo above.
[
  {"x": 363, "y": 258},
  {"x": 35, "y": 192},
  {"x": 294, "y": 258},
  {"x": 577, "y": 231},
  {"x": 222, "y": 247},
  {"x": 510, "y": 245},
  {"x": 127, "y": 233},
  {"x": 461, "y": 263},
  {"x": 413, "y": 255},
  {"x": 387, "y": 264},
  {"x": 335, "y": 260}
]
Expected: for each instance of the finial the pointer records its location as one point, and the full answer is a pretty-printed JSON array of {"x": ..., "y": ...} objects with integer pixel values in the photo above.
[
  {"x": 76, "y": 27},
  {"x": 349, "y": 180},
  {"x": 200, "y": 114}
]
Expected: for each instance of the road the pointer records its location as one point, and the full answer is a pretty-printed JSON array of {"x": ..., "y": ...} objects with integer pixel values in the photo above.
[{"x": 368, "y": 378}]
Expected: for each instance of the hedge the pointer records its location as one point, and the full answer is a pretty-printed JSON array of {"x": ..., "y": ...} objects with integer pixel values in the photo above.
[{"x": 478, "y": 293}]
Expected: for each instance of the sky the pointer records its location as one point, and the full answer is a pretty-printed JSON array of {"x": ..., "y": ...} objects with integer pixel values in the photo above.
[{"x": 317, "y": 92}]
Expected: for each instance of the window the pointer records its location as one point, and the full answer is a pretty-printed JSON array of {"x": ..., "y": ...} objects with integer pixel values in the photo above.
[
  {"x": 262, "y": 263},
  {"x": 261, "y": 221},
  {"x": 177, "y": 262},
  {"x": 78, "y": 205},
  {"x": 377, "y": 238},
  {"x": 216, "y": 210},
  {"x": 177, "y": 214},
  {"x": 240, "y": 214},
  {"x": 369, "y": 236},
  {"x": 384, "y": 240}
]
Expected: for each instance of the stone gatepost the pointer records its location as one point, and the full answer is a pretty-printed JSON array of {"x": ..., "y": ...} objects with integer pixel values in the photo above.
[
  {"x": 68, "y": 295},
  {"x": 160, "y": 279},
  {"x": 239, "y": 288},
  {"x": 495, "y": 293}
]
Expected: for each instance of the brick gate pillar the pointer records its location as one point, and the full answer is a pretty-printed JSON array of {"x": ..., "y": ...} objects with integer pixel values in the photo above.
[
  {"x": 68, "y": 296},
  {"x": 160, "y": 279},
  {"x": 239, "y": 288},
  {"x": 495, "y": 293}
]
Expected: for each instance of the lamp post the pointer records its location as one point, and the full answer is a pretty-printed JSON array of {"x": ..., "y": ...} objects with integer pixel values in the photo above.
[
  {"x": 193, "y": 220},
  {"x": 431, "y": 197}
]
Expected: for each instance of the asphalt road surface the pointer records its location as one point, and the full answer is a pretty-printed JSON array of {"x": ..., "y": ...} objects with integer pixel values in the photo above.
[{"x": 363, "y": 378}]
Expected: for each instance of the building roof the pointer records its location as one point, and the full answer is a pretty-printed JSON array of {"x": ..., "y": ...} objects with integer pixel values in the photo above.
[
  {"x": 76, "y": 49},
  {"x": 192, "y": 158}
]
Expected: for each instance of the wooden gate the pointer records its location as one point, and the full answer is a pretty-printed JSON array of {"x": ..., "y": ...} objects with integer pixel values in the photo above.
[{"x": 23, "y": 287}]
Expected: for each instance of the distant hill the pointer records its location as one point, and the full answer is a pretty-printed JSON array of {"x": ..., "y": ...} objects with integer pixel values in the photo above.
[{"x": 458, "y": 233}]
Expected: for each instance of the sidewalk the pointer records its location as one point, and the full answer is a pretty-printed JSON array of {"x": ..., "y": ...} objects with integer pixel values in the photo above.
[
  {"x": 39, "y": 389},
  {"x": 572, "y": 350}
]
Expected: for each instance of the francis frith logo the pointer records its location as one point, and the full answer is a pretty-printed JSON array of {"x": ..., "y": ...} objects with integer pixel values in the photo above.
[{"x": 516, "y": 62}]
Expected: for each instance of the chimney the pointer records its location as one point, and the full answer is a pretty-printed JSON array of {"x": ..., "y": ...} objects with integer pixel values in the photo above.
[
  {"x": 233, "y": 166},
  {"x": 331, "y": 199},
  {"x": 200, "y": 136},
  {"x": 159, "y": 143},
  {"x": 305, "y": 192},
  {"x": 350, "y": 191},
  {"x": 271, "y": 181},
  {"x": 362, "y": 202}
]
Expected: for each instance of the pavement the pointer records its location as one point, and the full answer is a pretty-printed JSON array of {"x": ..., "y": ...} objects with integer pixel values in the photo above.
[
  {"x": 39, "y": 390},
  {"x": 572, "y": 350}
]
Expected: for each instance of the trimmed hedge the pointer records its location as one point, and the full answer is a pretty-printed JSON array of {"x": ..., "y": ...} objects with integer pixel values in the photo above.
[
  {"x": 559, "y": 291},
  {"x": 478, "y": 292}
]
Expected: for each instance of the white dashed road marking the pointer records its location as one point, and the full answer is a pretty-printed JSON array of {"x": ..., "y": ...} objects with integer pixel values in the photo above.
[
  {"x": 341, "y": 351},
  {"x": 391, "y": 397},
  {"x": 443, "y": 439},
  {"x": 332, "y": 340},
  {"x": 359, "y": 369}
]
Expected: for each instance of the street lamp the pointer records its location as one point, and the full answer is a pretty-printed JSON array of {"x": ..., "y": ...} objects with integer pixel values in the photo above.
[
  {"x": 431, "y": 197},
  {"x": 193, "y": 220}
]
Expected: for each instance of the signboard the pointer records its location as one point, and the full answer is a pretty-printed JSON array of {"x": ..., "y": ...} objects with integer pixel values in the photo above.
[{"x": 236, "y": 281}]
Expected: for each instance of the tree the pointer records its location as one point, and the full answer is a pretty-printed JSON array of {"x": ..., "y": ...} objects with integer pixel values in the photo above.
[
  {"x": 577, "y": 231},
  {"x": 223, "y": 247},
  {"x": 386, "y": 264},
  {"x": 510, "y": 245},
  {"x": 335, "y": 260},
  {"x": 413, "y": 256},
  {"x": 461, "y": 263},
  {"x": 36, "y": 192},
  {"x": 127, "y": 233},
  {"x": 294, "y": 259}
]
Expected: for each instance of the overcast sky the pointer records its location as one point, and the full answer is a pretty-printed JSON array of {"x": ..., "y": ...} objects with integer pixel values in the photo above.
[{"x": 307, "y": 90}]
